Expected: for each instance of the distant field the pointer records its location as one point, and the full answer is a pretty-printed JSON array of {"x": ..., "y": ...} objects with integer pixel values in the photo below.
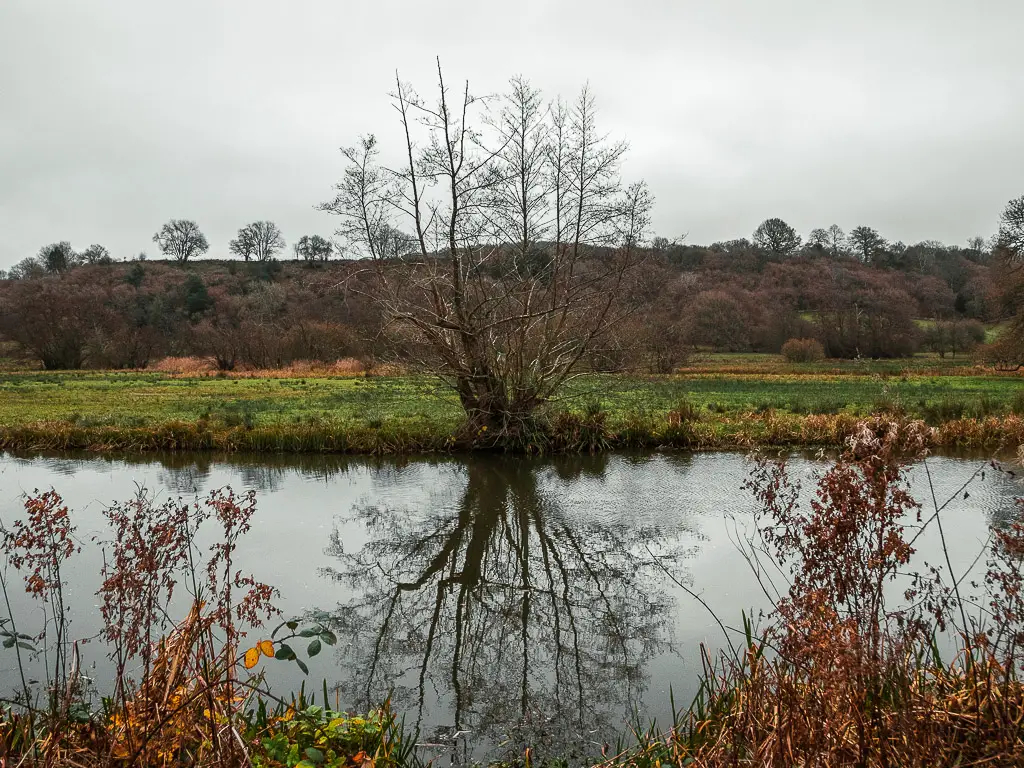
[
  {"x": 143, "y": 399},
  {"x": 753, "y": 363},
  {"x": 992, "y": 331},
  {"x": 714, "y": 386}
]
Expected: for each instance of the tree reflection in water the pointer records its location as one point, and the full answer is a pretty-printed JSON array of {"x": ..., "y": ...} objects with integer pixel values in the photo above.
[{"x": 523, "y": 624}]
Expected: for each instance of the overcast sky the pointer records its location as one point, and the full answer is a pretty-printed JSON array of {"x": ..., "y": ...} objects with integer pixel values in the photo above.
[{"x": 116, "y": 116}]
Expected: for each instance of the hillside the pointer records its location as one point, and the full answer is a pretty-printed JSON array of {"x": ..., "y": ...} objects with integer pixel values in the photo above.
[{"x": 727, "y": 297}]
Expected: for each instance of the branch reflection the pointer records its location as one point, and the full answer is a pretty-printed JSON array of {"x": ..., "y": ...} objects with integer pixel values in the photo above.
[{"x": 499, "y": 612}]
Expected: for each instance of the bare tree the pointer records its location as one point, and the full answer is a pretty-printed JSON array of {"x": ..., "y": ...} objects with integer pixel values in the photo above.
[
  {"x": 313, "y": 248},
  {"x": 661, "y": 243},
  {"x": 1011, "y": 229},
  {"x": 1007, "y": 352},
  {"x": 28, "y": 268},
  {"x": 57, "y": 258},
  {"x": 832, "y": 239},
  {"x": 523, "y": 237},
  {"x": 776, "y": 237},
  {"x": 977, "y": 243},
  {"x": 393, "y": 243},
  {"x": 260, "y": 240},
  {"x": 364, "y": 200},
  {"x": 866, "y": 243},
  {"x": 96, "y": 254},
  {"x": 181, "y": 239}
]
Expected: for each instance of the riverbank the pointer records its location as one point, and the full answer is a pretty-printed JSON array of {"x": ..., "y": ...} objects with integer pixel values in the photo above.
[
  {"x": 569, "y": 433},
  {"x": 703, "y": 408}
]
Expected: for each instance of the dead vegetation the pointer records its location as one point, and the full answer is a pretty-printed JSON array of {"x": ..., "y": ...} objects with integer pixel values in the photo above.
[{"x": 843, "y": 674}]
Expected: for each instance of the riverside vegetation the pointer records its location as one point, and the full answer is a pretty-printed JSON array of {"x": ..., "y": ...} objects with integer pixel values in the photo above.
[
  {"x": 845, "y": 670},
  {"x": 184, "y": 693},
  {"x": 842, "y": 675}
]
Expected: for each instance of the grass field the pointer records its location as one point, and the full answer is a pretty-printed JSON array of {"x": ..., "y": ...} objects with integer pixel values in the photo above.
[
  {"x": 720, "y": 392},
  {"x": 758, "y": 363},
  {"x": 145, "y": 399}
]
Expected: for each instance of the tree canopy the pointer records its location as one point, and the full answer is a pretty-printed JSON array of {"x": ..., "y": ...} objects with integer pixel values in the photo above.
[
  {"x": 776, "y": 237},
  {"x": 313, "y": 248},
  {"x": 261, "y": 241},
  {"x": 1011, "y": 228},
  {"x": 181, "y": 239}
]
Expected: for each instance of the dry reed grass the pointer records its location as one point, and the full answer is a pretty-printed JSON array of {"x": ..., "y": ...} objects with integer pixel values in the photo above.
[
  {"x": 767, "y": 714},
  {"x": 840, "y": 677},
  {"x": 188, "y": 367},
  {"x": 185, "y": 366},
  {"x": 387, "y": 369}
]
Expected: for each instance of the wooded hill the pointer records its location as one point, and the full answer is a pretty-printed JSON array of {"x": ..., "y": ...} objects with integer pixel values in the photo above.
[{"x": 728, "y": 296}]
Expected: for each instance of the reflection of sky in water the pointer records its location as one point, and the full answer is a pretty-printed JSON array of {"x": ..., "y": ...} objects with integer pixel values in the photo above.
[{"x": 690, "y": 505}]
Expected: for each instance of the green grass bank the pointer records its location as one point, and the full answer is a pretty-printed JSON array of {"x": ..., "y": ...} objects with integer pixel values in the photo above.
[{"x": 700, "y": 408}]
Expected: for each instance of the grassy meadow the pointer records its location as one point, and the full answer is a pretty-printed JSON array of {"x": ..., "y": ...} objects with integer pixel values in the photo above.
[{"x": 715, "y": 401}]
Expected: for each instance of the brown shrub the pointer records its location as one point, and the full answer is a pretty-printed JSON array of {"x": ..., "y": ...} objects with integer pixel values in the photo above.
[
  {"x": 722, "y": 320},
  {"x": 803, "y": 350},
  {"x": 386, "y": 369},
  {"x": 347, "y": 366},
  {"x": 194, "y": 366},
  {"x": 854, "y": 679}
]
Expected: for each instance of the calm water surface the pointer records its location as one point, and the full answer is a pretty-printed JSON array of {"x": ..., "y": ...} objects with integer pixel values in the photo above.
[{"x": 508, "y": 601}]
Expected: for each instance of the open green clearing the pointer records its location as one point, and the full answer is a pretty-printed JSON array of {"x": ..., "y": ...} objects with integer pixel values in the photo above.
[{"x": 135, "y": 399}]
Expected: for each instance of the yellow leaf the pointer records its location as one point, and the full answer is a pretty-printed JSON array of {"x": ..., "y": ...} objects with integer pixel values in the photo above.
[
  {"x": 266, "y": 648},
  {"x": 252, "y": 656}
]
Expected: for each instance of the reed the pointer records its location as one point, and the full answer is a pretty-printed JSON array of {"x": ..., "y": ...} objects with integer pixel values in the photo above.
[{"x": 559, "y": 432}]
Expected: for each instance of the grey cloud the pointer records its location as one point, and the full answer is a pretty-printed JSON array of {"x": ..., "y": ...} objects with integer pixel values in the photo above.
[{"x": 116, "y": 116}]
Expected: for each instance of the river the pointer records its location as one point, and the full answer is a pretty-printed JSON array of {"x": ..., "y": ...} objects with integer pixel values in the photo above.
[{"x": 499, "y": 601}]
